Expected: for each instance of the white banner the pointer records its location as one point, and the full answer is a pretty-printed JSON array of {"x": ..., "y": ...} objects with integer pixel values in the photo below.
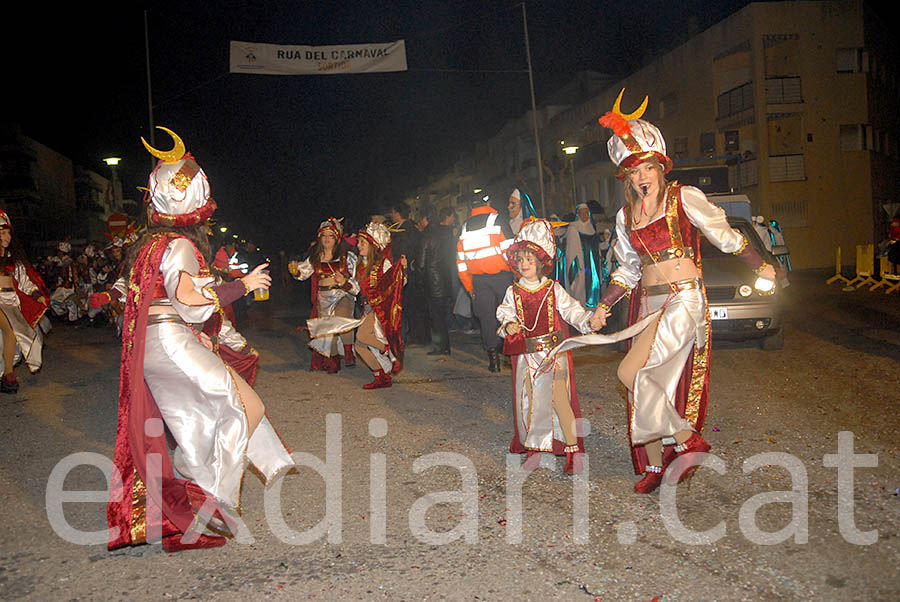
[{"x": 273, "y": 59}]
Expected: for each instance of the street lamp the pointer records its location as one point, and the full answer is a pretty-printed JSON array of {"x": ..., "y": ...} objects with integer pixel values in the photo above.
[
  {"x": 112, "y": 162},
  {"x": 570, "y": 150}
]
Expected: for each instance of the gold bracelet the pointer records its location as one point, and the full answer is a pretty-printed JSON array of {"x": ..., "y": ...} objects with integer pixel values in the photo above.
[{"x": 604, "y": 306}]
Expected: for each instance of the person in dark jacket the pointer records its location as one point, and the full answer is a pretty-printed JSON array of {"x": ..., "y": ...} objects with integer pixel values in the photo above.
[
  {"x": 437, "y": 259},
  {"x": 406, "y": 240}
]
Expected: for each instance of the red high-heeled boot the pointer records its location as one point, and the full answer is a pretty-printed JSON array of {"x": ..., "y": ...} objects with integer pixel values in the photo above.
[
  {"x": 332, "y": 364},
  {"x": 694, "y": 444},
  {"x": 349, "y": 357},
  {"x": 573, "y": 463},
  {"x": 9, "y": 384},
  {"x": 382, "y": 380},
  {"x": 173, "y": 543},
  {"x": 218, "y": 519},
  {"x": 653, "y": 476}
]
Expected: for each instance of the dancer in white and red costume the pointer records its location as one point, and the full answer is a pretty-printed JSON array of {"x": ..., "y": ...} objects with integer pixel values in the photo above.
[
  {"x": 666, "y": 371},
  {"x": 175, "y": 381},
  {"x": 23, "y": 302},
  {"x": 330, "y": 266}
]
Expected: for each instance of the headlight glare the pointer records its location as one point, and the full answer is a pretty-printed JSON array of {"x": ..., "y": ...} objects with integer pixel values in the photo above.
[
  {"x": 745, "y": 290},
  {"x": 764, "y": 286}
]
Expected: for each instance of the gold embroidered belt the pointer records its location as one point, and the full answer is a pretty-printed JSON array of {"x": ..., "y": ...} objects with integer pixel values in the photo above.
[
  {"x": 164, "y": 319},
  {"x": 675, "y": 287},
  {"x": 544, "y": 342},
  {"x": 667, "y": 254}
]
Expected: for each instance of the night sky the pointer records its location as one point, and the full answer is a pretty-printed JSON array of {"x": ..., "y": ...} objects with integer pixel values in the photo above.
[{"x": 282, "y": 152}]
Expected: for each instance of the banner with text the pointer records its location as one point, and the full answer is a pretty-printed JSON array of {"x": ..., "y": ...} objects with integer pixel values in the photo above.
[{"x": 273, "y": 59}]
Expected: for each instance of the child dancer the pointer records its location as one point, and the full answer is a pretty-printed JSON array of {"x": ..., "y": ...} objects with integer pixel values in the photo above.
[{"x": 533, "y": 316}]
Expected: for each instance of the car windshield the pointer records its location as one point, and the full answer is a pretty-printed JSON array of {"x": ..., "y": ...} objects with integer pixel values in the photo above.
[{"x": 707, "y": 249}]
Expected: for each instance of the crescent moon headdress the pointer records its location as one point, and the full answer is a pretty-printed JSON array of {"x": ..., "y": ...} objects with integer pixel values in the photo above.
[
  {"x": 634, "y": 140},
  {"x": 178, "y": 189},
  {"x": 5, "y": 224}
]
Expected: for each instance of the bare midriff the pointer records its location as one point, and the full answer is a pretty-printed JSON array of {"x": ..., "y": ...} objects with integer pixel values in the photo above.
[
  {"x": 670, "y": 270},
  {"x": 6, "y": 281}
]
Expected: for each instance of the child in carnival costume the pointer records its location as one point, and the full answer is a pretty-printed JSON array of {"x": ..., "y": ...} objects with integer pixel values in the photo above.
[
  {"x": 380, "y": 285},
  {"x": 534, "y": 318},
  {"x": 175, "y": 380},
  {"x": 23, "y": 302},
  {"x": 331, "y": 265}
]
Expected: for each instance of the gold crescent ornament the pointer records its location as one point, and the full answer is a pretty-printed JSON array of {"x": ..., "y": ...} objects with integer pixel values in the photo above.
[
  {"x": 617, "y": 108},
  {"x": 172, "y": 156}
]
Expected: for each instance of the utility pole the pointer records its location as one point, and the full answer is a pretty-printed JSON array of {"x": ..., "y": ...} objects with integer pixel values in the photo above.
[
  {"x": 149, "y": 93},
  {"x": 534, "y": 121}
]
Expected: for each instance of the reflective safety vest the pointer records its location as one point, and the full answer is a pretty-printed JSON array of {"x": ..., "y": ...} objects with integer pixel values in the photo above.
[{"x": 481, "y": 249}]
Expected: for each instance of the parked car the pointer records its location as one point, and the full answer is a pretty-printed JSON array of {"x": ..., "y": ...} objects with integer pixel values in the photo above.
[{"x": 737, "y": 309}]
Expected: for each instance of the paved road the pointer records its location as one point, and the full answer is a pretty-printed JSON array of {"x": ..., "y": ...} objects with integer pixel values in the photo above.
[{"x": 837, "y": 373}]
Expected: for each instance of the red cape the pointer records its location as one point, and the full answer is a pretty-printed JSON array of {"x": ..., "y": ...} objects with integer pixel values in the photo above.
[
  {"x": 32, "y": 309},
  {"x": 385, "y": 294}
]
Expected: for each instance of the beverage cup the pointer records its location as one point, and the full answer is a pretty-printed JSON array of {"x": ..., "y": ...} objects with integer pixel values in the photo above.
[{"x": 261, "y": 294}]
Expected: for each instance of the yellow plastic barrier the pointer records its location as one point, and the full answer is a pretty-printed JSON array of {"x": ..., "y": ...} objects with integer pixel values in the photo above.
[
  {"x": 865, "y": 266},
  {"x": 889, "y": 277},
  {"x": 837, "y": 269}
]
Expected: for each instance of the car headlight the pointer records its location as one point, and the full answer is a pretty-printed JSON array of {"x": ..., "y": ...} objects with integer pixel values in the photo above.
[
  {"x": 745, "y": 290},
  {"x": 764, "y": 286}
]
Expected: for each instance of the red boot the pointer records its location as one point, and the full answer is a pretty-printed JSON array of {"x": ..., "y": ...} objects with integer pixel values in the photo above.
[
  {"x": 219, "y": 518},
  {"x": 317, "y": 362},
  {"x": 382, "y": 380},
  {"x": 573, "y": 463},
  {"x": 396, "y": 367},
  {"x": 9, "y": 384},
  {"x": 532, "y": 460},
  {"x": 653, "y": 476},
  {"x": 332, "y": 364},
  {"x": 349, "y": 357},
  {"x": 694, "y": 444},
  {"x": 173, "y": 543}
]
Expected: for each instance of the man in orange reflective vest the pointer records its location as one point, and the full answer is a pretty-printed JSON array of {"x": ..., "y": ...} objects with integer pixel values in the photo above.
[{"x": 484, "y": 271}]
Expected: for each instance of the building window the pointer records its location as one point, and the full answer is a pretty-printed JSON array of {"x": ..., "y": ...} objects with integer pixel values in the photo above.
[
  {"x": 787, "y": 168},
  {"x": 857, "y": 137},
  {"x": 708, "y": 143},
  {"x": 735, "y": 100},
  {"x": 681, "y": 146},
  {"x": 783, "y": 90},
  {"x": 851, "y": 60},
  {"x": 668, "y": 105}
]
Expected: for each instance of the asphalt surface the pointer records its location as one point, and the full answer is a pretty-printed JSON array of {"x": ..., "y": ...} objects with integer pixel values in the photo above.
[{"x": 837, "y": 373}]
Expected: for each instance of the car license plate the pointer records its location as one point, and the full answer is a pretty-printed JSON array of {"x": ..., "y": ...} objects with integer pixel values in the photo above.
[{"x": 718, "y": 313}]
